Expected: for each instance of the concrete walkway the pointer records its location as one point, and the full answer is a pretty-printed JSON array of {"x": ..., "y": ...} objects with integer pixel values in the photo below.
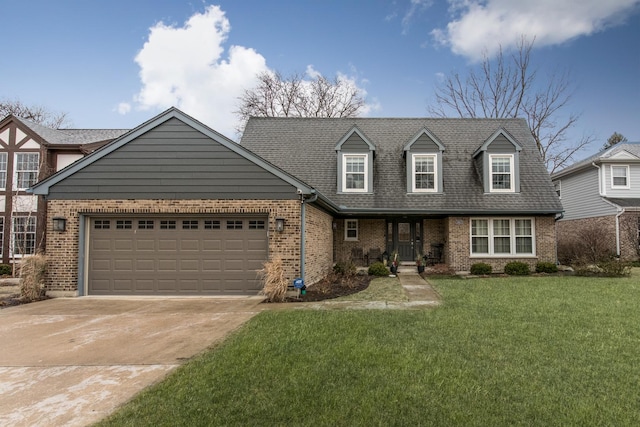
[{"x": 420, "y": 293}]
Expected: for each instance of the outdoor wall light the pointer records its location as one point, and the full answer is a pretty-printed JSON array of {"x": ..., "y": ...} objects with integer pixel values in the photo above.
[
  {"x": 279, "y": 225},
  {"x": 59, "y": 224}
]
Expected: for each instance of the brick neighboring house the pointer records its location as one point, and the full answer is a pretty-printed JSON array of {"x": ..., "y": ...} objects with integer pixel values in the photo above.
[
  {"x": 29, "y": 152},
  {"x": 601, "y": 194},
  {"x": 175, "y": 208}
]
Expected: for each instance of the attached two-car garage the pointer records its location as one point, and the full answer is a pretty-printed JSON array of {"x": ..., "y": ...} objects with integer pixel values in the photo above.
[{"x": 176, "y": 255}]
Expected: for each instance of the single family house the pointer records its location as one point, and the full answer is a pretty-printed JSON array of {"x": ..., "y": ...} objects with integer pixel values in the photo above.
[
  {"x": 601, "y": 199},
  {"x": 30, "y": 152},
  {"x": 175, "y": 208}
]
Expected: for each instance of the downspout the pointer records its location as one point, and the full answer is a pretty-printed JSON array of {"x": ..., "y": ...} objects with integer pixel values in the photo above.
[
  {"x": 303, "y": 211},
  {"x": 558, "y": 218},
  {"x": 618, "y": 215},
  {"x": 600, "y": 178}
]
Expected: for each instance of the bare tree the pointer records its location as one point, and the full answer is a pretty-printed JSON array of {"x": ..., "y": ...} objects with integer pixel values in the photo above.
[
  {"x": 614, "y": 139},
  {"x": 35, "y": 113},
  {"x": 295, "y": 96},
  {"x": 506, "y": 87}
]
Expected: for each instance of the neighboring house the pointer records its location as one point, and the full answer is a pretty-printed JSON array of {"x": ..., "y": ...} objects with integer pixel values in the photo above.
[
  {"x": 29, "y": 152},
  {"x": 601, "y": 195},
  {"x": 175, "y": 208}
]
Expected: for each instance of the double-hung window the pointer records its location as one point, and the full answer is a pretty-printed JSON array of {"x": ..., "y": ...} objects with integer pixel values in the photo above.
[
  {"x": 501, "y": 173},
  {"x": 350, "y": 229},
  {"x": 619, "y": 176},
  {"x": 26, "y": 167},
  {"x": 424, "y": 173},
  {"x": 3, "y": 170},
  {"x": 354, "y": 167},
  {"x": 24, "y": 235},
  {"x": 502, "y": 236}
]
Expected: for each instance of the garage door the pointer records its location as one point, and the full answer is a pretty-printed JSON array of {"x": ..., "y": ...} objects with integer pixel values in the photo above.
[{"x": 176, "y": 255}]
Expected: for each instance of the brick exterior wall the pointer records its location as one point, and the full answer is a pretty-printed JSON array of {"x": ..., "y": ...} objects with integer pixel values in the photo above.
[
  {"x": 605, "y": 227},
  {"x": 318, "y": 258},
  {"x": 371, "y": 235},
  {"x": 62, "y": 247},
  {"x": 457, "y": 248}
]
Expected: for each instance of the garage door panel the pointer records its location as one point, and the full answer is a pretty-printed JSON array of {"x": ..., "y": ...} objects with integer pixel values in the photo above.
[
  {"x": 167, "y": 245},
  {"x": 177, "y": 256}
]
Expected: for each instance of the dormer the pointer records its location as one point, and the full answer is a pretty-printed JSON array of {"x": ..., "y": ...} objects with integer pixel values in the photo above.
[
  {"x": 498, "y": 161},
  {"x": 355, "y": 163},
  {"x": 423, "y": 154}
]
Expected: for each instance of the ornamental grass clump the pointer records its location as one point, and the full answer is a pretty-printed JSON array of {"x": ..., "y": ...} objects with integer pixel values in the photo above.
[
  {"x": 32, "y": 271},
  {"x": 274, "y": 282}
]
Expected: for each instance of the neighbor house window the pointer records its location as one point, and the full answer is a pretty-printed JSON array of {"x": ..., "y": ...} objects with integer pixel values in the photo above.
[
  {"x": 619, "y": 176},
  {"x": 3, "y": 170},
  {"x": 26, "y": 169},
  {"x": 502, "y": 236},
  {"x": 350, "y": 229},
  {"x": 24, "y": 235},
  {"x": 424, "y": 173},
  {"x": 501, "y": 173},
  {"x": 354, "y": 167},
  {"x": 558, "y": 187}
]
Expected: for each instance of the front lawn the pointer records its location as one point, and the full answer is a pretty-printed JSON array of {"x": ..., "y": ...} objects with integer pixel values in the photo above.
[{"x": 501, "y": 351}]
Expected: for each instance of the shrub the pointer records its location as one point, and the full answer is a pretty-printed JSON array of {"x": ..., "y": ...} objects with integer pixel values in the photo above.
[
  {"x": 378, "y": 269},
  {"x": 274, "y": 282},
  {"x": 516, "y": 268},
  {"x": 5, "y": 270},
  {"x": 345, "y": 268},
  {"x": 480, "y": 269},
  {"x": 546, "y": 267},
  {"x": 615, "y": 268},
  {"x": 32, "y": 270}
]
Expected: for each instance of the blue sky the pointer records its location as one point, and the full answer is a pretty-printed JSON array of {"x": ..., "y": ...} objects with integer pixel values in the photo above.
[{"x": 115, "y": 64}]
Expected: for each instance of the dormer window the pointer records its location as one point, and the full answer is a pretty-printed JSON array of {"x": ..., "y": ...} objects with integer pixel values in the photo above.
[
  {"x": 355, "y": 154},
  {"x": 355, "y": 172},
  {"x": 620, "y": 177},
  {"x": 501, "y": 172},
  {"x": 424, "y": 173}
]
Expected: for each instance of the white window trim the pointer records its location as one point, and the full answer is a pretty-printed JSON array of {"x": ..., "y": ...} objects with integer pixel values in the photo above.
[
  {"x": 344, "y": 173},
  {"x": 621, "y": 187},
  {"x": 435, "y": 173},
  {"x": 15, "y": 170},
  {"x": 12, "y": 251},
  {"x": 511, "y": 188},
  {"x": 6, "y": 164},
  {"x": 346, "y": 229},
  {"x": 512, "y": 236}
]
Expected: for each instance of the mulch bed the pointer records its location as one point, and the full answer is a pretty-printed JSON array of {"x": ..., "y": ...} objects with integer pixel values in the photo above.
[{"x": 333, "y": 287}]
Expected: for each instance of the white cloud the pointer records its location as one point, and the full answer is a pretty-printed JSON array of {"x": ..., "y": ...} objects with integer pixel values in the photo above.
[
  {"x": 123, "y": 108},
  {"x": 187, "y": 67},
  {"x": 482, "y": 26}
]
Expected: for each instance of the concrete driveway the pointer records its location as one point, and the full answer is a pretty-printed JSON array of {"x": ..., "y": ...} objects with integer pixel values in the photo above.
[{"x": 74, "y": 361}]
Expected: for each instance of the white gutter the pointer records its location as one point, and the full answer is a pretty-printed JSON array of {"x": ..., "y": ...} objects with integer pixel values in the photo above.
[{"x": 618, "y": 215}]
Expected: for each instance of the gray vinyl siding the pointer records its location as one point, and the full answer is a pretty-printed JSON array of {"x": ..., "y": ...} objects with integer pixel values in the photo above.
[
  {"x": 580, "y": 197},
  {"x": 634, "y": 179},
  {"x": 424, "y": 144},
  {"x": 173, "y": 161},
  {"x": 355, "y": 143},
  {"x": 501, "y": 145}
]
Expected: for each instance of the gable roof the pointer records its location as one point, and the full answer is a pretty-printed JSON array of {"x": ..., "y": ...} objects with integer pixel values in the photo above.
[
  {"x": 493, "y": 137},
  {"x": 68, "y": 136},
  {"x": 305, "y": 147},
  {"x": 623, "y": 151},
  {"x": 42, "y": 188},
  {"x": 427, "y": 132}
]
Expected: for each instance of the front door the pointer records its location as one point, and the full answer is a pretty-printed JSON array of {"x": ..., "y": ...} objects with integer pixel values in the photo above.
[{"x": 405, "y": 237}]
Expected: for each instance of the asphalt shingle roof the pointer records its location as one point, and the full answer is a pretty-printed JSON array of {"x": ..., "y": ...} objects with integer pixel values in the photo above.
[
  {"x": 631, "y": 147},
  {"x": 305, "y": 148},
  {"x": 72, "y": 136}
]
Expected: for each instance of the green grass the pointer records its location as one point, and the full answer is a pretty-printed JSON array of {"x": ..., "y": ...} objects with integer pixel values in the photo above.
[
  {"x": 380, "y": 289},
  {"x": 529, "y": 351}
]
